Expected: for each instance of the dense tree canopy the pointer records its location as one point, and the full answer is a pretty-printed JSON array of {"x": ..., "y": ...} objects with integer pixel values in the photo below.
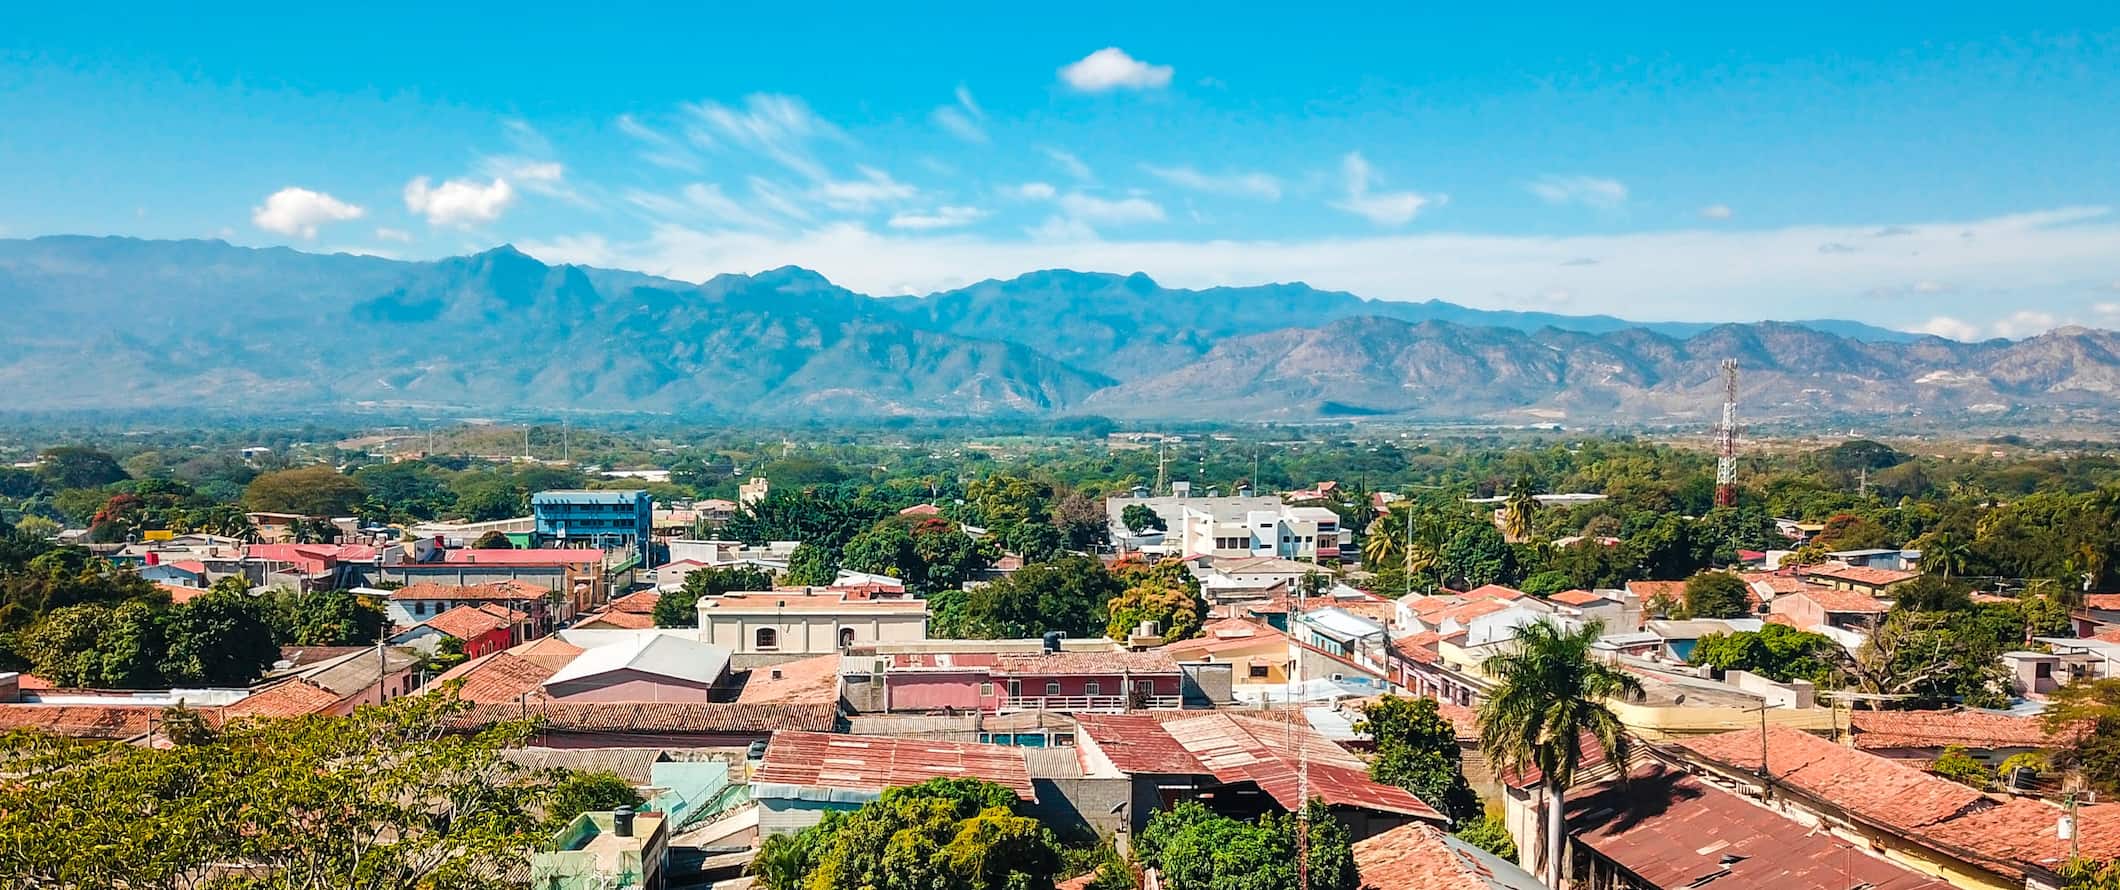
[
  {"x": 1068, "y": 594},
  {"x": 308, "y": 491},
  {"x": 1416, "y": 749},
  {"x": 943, "y": 834},
  {"x": 1197, "y": 849}
]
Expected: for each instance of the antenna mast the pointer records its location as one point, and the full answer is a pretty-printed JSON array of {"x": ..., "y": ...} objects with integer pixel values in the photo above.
[{"x": 1726, "y": 440}]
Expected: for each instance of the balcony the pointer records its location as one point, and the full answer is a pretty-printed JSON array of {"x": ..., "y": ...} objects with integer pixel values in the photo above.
[{"x": 1089, "y": 703}]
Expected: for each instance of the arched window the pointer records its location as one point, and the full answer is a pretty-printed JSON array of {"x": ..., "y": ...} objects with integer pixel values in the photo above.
[
  {"x": 768, "y": 638},
  {"x": 846, "y": 637}
]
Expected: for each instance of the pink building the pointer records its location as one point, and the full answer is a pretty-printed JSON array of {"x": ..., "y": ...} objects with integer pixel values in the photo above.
[{"x": 994, "y": 683}]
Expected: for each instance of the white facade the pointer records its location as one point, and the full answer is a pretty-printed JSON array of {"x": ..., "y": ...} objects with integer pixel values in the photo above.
[
  {"x": 800, "y": 623},
  {"x": 1232, "y": 527}
]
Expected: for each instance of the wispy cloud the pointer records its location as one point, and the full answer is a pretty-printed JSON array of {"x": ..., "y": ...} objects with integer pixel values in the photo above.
[
  {"x": 1234, "y": 184},
  {"x": 458, "y": 202},
  {"x": 299, "y": 211},
  {"x": 389, "y": 234},
  {"x": 659, "y": 148},
  {"x": 1069, "y": 164},
  {"x": 964, "y": 120},
  {"x": 1717, "y": 211},
  {"x": 948, "y": 217},
  {"x": 780, "y": 127},
  {"x": 1111, "y": 68},
  {"x": 1034, "y": 191},
  {"x": 1382, "y": 208},
  {"x": 1110, "y": 211},
  {"x": 1590, "y": 191}
]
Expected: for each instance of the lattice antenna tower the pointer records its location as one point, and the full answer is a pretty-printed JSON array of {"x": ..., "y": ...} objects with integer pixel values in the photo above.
[{"x": 1726, "y": 440}]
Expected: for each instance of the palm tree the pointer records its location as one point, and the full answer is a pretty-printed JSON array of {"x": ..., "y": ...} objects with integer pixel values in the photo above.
[
  {"x": 1549, "y": 694},
  {"x": 1517, "y": 511},
  {"x": 1945, "y": 553},
  {"x": 1384, "y": 542}
]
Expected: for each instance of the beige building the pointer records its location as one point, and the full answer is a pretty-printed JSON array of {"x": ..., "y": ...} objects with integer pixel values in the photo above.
[{"x": 796, "y": 622}]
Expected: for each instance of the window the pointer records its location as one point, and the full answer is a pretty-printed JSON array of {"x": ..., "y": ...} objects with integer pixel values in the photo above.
[
  {"x": 986, "y": 690},
  {"x": 1015, "y": 689},
  {"x": 1063, "y": 740},
  {"x": 1052, "y": 688},
  {"x": 1258, "y": 671},
  {"x": 767, "y": 638},
  {"x": 1093, "y": 688},
  {"x": 846, "y": 637}
]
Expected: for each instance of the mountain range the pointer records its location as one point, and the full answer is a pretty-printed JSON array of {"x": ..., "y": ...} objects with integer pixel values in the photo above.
[{"x": 128, "y": 323}]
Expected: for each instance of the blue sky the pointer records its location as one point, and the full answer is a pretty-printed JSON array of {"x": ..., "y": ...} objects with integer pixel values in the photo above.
[{"x": 1943, "y": 167}]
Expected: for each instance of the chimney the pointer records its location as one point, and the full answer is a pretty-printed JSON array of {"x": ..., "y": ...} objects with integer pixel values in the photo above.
[{"x": 622, "y": 821}]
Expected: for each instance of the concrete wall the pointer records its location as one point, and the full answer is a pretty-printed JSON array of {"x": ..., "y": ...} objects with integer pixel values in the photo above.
[
  {"x": 807, "y": 633},
  {"x": 629, "y": 686},
  {"x": 1077, "y": 809},
  {"x": 927, "y": 691}
]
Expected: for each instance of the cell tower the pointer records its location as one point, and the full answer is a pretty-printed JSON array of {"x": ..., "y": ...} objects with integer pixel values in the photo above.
[{"x": 1726, "y": 440}]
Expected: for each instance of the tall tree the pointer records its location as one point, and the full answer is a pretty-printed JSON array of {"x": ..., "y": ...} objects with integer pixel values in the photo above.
[
  {"x": 680, "y": 607},
  {"x": 1551, "y": 694},
  {"x": 319, "y": 490},
  {"x": 1716, "y": 595},
  {"x": 1416, "y": 749},
  {"x": 1518, "y": 511}
]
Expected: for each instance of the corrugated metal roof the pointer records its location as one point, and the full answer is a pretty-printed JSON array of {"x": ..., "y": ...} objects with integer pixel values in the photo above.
[
  {"x": 1418, "y": 857},
  {"x": 807, "y": 763},
  {"x": 661, "y": 654},
  {"x": 1265, "y": 753}
]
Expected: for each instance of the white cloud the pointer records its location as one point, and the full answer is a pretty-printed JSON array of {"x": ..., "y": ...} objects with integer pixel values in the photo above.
[
  {"x": 777, "y": 126},
  {"x": 1069, "y": 164},
  {"x": 389, "y": 234},
  {"x": 941, "y": 218},
  {"x": 1093, "y": 210},
  {"x": 702, "y": 203},
  {"x": 658, "y": 148},
  {"x": 854, "y": 195},
  {"x": 1235, "y": 184},
  {"x": 1717, "y": 211},
  {"x": 458, "y": 202},
  {"x": 1704, "y": 274},
  {"x": 299, "y": 211},
  {"x": 963, "y": 120},
  {"x": 1034, "y": 191},
  {"x": 1591, "y": 191},
  {"x": 1382, "y": 208},
  {"x": 1111, "y": 68},
  {"x": 1949, "y": 328},
  {"x": 2025, "y": 323}
]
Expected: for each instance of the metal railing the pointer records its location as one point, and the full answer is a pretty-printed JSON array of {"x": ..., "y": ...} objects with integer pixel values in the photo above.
[{"x": 1088, "y": 702}]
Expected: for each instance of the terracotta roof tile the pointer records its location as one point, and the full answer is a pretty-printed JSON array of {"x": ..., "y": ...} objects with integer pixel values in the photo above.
[
  {"x": 655, "y": 718},
  {"x": 616, "y": 619},
  {"x": 510, "y": 590},
  {"x": 1936, "y": 729},
  {"x": 466, "y": 622},
  {"x": 550, "y": 653},
  {"x": 1418, "y": 857},
  {"x": 1149, "y": 662},
  {"x": 1674, "y": 830},
  {"x": 500, "y": 677},
  {"x": 642, "y": 602},
  {"x": 292, "y": 698},
  {"x": 1884, "y": 791},
  {"x": 1247, "y": 749},
  {"x": 1841, "y": 600},
  {"x": 1652, "y": 589},
  {"x": 2103, "y": 602},
  {"x": 1864, "y": 575},
  {"x": 1576, "y": 597},
  {"x": 814, "y": 679},
  {"x": 2023, "y": 832},
  {"x": 81, "y": 721},
  {"x": 1494, "y": 591}
]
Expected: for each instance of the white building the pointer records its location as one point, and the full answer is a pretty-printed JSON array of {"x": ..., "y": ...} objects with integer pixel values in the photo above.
[
  {"x": 1231, "y": 527},
  {"x": 802, "y": 622}
]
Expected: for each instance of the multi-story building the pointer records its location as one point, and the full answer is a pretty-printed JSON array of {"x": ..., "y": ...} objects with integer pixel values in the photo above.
[
  {"x": 606, "y": 520},
  {"x": 807, "y": 622},
  {"x": 1232, "y": 527}
]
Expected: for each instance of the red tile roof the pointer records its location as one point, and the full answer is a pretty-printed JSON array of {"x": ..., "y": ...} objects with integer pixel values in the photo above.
[
  {"x": 500, "y": 677},
  {"x": 1864, "y": 575},
  {"x": 1137, "y": 743},
  {"x": 1576, "y": 597},
  {"x": 1884, "y": 791},
  {"x": 1228, "y": 633},
  {"x": 1247, "y": 749},
  {"x": 1469, "y": 611},
  {"x": 550, "y": 653},
  {"x": 180, "y": 594},
  {"x": 666, "y": 718},
  {"x": 506, "y": 591},
  {"x": 1085, "y": 663},
  {"x": 292, "y": 698},
  {"x": 642, "y": 603},
  {"x": 1652, "y": 589},
  {"x": 1418, "y": 857},
  {"x": 1673, "y": 830},
  {"x": 1936, "y": 729},
  {"x": 2103, "y": 602},
  {"x": 2023, "y": 832},
  {"x": 1841, "y": 600},
  {"x": 813, "y": 679},
  {"x": 82, "y": 721},
  {"x": 1776, "y": 582},
  {"x": 466, "y": 622},
  {"x": 874, "y": 763},
  {"x": 2109, "y": 635},
  {"x": 614, "y": 618},
  {"x": 1494, "y": 591},
  {"x": 549, "y": 557}
]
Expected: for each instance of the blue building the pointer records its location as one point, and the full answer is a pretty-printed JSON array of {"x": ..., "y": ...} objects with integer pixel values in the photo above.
[{"x": 606, "y": 520}]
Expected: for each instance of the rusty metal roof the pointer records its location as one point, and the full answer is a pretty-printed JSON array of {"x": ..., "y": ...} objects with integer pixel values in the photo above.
[
  {"x": 1137, "y": 743},
  {"x": 863, "y": 763},
  {"x": 1672, "y": 830},
  {"x": 1265, "y": 753}
]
